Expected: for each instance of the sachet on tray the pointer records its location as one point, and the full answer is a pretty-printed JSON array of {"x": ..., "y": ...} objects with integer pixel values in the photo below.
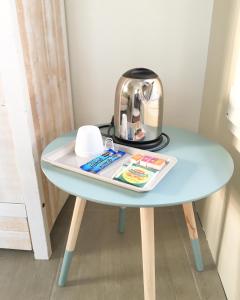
[
  {"x": 138, "y": 171},
  {"x": 135, "y": 174},
  {"x": 104, "y": 160}
]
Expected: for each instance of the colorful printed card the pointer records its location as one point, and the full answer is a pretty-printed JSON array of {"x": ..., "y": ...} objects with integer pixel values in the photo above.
[{"x": 135, "y": 174}]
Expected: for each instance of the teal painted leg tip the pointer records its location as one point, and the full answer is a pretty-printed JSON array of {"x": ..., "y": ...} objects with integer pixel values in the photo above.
[
  {"x": 121, "y": 225},
  {"x": 197, "y": 255},
  {"x": 65, "y": 268},
  {"x": 61, "y": 283}
]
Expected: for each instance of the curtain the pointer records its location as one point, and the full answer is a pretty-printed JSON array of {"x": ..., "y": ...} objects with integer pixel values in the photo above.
[
  {"x": 234, "y": 98},
  {"x": 234, "y": 110}
]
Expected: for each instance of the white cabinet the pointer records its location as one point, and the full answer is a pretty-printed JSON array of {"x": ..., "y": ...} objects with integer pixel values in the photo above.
[
  {"x": 35, "y": 108},
  {"x": 14, "y": 229}
]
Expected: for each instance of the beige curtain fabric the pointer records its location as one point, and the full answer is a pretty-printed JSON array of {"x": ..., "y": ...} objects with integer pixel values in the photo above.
[
  {"x": 234, "y": 109},
  {"x": 234, "y": 103}
]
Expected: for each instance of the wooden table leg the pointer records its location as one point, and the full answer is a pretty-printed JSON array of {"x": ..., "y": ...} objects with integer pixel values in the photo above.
[
  {"x": 72, "y": 238},
  {"x": 148, "y": 252},
  {"x": 192, "y": 230},
  {"x": 122, "y": 219}
]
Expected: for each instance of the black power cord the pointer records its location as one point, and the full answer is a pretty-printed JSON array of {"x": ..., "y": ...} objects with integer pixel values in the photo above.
[{"x": 109, "y": 126}]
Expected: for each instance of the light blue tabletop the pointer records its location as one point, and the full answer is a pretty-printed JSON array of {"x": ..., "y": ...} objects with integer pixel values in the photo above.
[{"x": 203, "y": 167}]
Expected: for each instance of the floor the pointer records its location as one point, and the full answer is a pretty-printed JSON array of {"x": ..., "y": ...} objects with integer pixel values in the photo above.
[{"x": 107, "y": 265}]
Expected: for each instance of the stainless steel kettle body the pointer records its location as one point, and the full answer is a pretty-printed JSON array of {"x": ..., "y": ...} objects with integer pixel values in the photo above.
[{"x": 138, "y": 108}]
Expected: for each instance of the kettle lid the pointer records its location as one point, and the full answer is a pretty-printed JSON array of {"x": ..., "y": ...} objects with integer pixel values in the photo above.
[{"x": 140, "y": 73}]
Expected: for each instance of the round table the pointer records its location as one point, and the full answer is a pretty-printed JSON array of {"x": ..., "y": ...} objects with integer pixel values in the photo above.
[{"x": 203, "y": 167}]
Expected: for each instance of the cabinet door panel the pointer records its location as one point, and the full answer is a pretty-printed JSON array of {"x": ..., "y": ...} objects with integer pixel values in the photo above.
[{"x": 10, "y": 188}]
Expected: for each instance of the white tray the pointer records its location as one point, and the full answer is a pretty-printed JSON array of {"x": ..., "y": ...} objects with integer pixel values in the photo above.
[{"x": 65, "y": 157}]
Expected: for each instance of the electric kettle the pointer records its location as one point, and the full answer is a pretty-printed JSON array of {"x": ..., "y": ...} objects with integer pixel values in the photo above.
[{"x": 138, "y": 110}]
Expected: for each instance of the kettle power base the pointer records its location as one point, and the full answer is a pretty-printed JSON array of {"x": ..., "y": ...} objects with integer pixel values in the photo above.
[
  {"x": 65, "y": 157},
  {"x": 107, "y": 130},
  {"x": 152, "y": 146}
]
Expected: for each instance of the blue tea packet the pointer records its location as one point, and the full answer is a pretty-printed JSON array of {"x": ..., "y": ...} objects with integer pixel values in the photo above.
[
  {"x": 107, "y": 162},
  {"x": 97, "y": 160}
]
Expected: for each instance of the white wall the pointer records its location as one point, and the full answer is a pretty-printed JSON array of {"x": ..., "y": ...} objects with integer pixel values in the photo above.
[
  {"x": 220, "y": 213},
  {"x": 106, "y": 38}
]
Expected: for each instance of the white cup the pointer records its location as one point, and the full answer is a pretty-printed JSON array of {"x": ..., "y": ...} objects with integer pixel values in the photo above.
[{"x": 88, "y": 141}]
